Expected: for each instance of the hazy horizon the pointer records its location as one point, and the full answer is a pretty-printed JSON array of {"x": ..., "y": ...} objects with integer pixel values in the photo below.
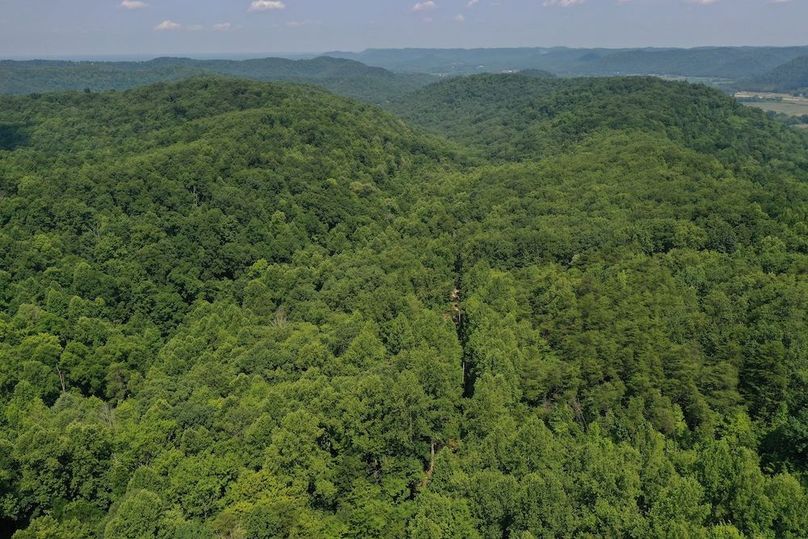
[
  {"x": 96, "y": 29},
  {"x": 295, "y": 55}
]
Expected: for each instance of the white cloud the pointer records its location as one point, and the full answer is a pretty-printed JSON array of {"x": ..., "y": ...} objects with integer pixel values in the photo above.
[
  {"x": 298, "y": 24},
  {"x": 702, "y": 2},
  {"x": 222, "y": 27},
  {"x": 563, "y": 3},
  {"x": 472, "y": 3},
  {"x": 167, "y": 25},
  {"x": 460, "y": 18},
  {"x": 133, "y": 4},
  {"x": 426, "y": 5},
  {"x": 266, "y": 5}
]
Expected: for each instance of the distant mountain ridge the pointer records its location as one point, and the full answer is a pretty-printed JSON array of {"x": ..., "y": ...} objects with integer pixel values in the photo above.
[
  {"x": 726, "y": 62},
  {"x": 341, "y": 76}
]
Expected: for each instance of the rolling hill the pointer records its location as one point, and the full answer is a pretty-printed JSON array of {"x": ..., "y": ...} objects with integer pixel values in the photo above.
[{"x": 516, "y": 117}]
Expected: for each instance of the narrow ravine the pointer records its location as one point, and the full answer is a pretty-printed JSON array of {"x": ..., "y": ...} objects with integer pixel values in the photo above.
[{"x": 461, "y": 326}]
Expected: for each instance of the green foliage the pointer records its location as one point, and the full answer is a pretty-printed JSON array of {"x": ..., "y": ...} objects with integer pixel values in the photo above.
[{"x": 233, "y": 309}]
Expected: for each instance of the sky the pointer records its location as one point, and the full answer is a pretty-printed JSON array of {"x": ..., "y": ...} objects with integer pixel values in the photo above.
[{"x": 145, "y": 28}]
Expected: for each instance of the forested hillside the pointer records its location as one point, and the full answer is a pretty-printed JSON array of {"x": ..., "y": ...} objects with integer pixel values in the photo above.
[
  {"x": 541, "y": 308},
  {"x": 515, "y": 117},
  {"x": 723, "y": 62},
  {"x": 411, "y": 69},
  {"x": 343, "y": 77},
  {"x": 789, "y": 77}
]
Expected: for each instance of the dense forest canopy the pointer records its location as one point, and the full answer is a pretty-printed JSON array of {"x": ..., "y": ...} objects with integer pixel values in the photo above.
[{"x": 529, "y": 307}]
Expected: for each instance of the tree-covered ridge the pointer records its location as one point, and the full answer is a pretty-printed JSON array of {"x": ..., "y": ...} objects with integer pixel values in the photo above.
[
  {"x": 724, "y": 62},
  {"x": 235, "y": 309},
  {"x": 95, "y": 126},
  {"x": 195, "y": 174},
  {"x": 343, "y": 77},
  {"x": 516, "y": 117}
]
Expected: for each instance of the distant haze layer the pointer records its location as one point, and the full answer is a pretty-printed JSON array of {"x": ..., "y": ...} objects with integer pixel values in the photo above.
[{"x": 40, "y": 28}]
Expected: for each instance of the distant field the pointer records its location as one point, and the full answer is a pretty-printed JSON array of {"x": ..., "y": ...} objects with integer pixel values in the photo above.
[
  {"x": 792, "y": 109},
  {"x": 782, "y": 103},
  {"x": 707, "y": 81}
]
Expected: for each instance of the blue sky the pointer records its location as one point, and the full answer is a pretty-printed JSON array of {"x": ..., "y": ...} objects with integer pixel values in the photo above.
[{"x": 154, "y": 27}]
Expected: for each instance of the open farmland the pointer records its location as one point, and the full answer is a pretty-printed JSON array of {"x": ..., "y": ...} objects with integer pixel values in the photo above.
[{"x": 782, "y": 103}]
